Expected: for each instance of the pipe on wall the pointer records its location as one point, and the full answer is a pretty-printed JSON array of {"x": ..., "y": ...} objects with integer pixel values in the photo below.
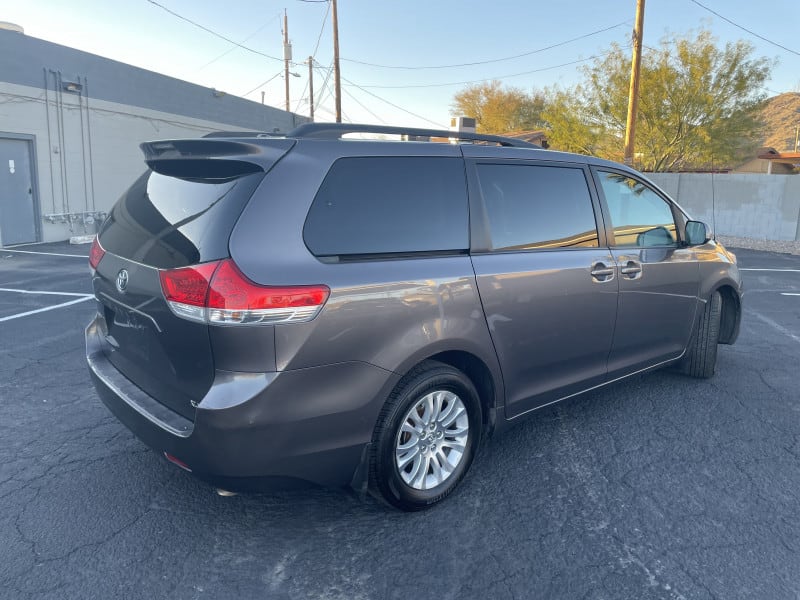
[
  {"x": 83, "y": 154},
  {"x": 49, "y": 139},
  {"x": 60, "y": 93},
  {"x": 64, "y": 205},
  {"x": 89, "y": 135}
]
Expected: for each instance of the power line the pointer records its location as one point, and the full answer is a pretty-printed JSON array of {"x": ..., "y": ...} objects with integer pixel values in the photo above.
[
  {"x": 303, "y": 93},
  {"x": 263, "y": 83},
  {"x": 321, "y": 30},
  {"x": 324, "y": 86},
  {"x": 212, "y": 32},
  {"x": 323, "y": 108},
  {"x": 432, "y": 85},
  {"x": 314, "y": 54},
  {"x": 302, "y": 97},
  {"x": 761, "y": 37},
  {"x": 357, "y": 101},
  {"x": 394, "y": 105},
  {"x": 229, "y": 50},
  {"x": 493, "y": 60},
  {"x": 333, "y": 114}
]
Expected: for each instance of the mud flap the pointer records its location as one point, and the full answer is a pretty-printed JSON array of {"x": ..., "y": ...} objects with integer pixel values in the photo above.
[{"x": 360, "y": 481}]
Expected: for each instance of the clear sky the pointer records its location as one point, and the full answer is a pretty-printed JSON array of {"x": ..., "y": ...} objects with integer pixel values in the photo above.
[{"x": 408, "y": 33}]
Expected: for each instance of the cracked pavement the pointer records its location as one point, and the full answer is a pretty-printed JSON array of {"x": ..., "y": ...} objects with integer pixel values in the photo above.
[{"x": 656, "y": 487}]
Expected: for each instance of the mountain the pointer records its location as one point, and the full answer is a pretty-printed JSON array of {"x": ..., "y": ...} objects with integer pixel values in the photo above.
[{"x": 781, "y": 114}]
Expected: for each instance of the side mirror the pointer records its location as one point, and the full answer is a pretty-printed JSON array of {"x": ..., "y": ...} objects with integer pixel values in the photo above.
[{"x": 696, "y": 233}]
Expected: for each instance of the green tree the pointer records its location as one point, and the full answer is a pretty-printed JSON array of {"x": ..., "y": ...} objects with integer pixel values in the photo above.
[
  {"x": 499, "y": 109},
  {"x": 698, "y": 105}
]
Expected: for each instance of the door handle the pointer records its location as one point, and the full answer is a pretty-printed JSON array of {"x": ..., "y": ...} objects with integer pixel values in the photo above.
[
  {"x": 632, "y": 269},
  {"x": 601, "y": 272}
]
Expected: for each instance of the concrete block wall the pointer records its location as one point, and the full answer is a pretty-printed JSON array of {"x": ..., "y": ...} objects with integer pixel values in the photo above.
[{"x": 745, "y": 204}]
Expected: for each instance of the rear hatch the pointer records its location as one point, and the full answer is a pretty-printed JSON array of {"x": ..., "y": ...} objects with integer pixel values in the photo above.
[{"x": 179, "y": 213}]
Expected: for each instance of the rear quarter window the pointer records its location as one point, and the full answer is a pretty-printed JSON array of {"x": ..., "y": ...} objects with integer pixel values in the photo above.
[{"x": 389, "y": 205}]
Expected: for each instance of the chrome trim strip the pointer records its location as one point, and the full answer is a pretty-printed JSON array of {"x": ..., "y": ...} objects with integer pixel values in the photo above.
[{"x": 599, "y": 385}]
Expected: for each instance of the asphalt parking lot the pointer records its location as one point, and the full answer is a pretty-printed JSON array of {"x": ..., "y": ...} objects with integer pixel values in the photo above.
[{"x": 657, "y": 487}]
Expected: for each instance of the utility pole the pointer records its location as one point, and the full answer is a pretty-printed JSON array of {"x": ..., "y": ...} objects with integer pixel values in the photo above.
[
  {"x": 337, "y": 84},
  {"x": 633, "y": 92},
  {"x": 311, "y": 86},
  {"x": 287, "y": 55},
  {"x": 796, "y": 132}
]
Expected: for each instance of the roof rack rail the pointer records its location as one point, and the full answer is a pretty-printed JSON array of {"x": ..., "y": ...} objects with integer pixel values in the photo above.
[
  {"x": 242, "y": 134},
  {"x": 332, "y": 131}
]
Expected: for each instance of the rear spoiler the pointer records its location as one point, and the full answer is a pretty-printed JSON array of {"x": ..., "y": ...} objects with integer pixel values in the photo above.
[{"x": 213, "y": 158}]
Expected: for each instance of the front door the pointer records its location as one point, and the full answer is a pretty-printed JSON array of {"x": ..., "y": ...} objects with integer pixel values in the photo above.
[
  {"x": 546, "y": 280},
  {"x": 17, "y": 212},
  {"x": 658, "y": 279}
]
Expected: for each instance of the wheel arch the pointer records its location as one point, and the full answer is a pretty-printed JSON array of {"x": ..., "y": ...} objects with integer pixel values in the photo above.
[
  {"x": 731, "y": 314},
  {"x": 486, "y": 377},
  {"x": 479, "y": 374}
]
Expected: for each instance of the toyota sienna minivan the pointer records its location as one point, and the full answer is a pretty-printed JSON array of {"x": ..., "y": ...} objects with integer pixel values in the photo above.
[{"x": 313, "y": 308}]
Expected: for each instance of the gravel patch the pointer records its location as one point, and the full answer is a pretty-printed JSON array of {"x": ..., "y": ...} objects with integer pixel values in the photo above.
[{"x": 784, "y": 246}]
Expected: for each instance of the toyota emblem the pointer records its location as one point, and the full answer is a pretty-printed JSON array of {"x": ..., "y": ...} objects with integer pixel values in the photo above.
[{"x": 122, "y": 281}]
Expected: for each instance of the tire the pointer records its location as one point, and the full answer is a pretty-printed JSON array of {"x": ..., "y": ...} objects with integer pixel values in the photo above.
[
  {"x": 701, "y": 354},
  {"x": 412, "y": 470}
]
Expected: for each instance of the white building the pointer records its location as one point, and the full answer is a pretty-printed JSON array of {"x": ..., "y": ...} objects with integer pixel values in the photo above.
[{"x": 70, "y": 128}]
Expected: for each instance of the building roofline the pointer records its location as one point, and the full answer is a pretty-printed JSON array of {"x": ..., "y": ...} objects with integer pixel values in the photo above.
[{"x": 28, "y": 61}]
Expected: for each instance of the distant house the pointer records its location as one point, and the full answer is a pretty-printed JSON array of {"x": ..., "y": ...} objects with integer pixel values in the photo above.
[
  {"x": 771, "y": 162},
  {"x": 767, "y": 161},
  {"x": 534, "y": 137}
]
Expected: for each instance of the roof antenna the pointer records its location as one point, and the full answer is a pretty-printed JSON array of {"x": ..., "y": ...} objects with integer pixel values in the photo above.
[{"x": 713, "y": 204}]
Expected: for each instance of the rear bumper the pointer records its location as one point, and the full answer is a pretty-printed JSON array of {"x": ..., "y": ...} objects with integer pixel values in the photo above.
[{"x": 257, "y": 431}]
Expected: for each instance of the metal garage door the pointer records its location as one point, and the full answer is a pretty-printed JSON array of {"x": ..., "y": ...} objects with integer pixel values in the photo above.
[{"x": 17, "y": 213}]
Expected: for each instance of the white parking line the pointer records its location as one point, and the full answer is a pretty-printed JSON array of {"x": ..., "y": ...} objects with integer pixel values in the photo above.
[
  {"x": 82, "y": 256},
  {"x": 45, "y": 309},
  {"x": 80, "y": 298},
  {"x": 789, "y": 294},
  {"x": 44, "y": 293},
  {"x": 774, "y": 325}
]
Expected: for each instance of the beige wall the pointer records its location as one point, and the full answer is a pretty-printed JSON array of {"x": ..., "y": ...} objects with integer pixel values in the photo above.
[
  {"x": 116, "y": 132},
  {"x": 745, "y": 205}
]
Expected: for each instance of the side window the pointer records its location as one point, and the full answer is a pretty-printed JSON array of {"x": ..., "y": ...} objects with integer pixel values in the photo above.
[
  {"x": 385, "y": 204},
  {"x": 535, "y": 207},
  {"x": 640, "y": 217}
]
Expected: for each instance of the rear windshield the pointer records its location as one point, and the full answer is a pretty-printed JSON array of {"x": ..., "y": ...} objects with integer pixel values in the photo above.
[{"x": 168, "y": 222}]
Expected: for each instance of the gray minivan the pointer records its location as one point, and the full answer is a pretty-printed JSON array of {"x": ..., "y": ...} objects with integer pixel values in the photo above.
[{"x": 316, "y": 308}]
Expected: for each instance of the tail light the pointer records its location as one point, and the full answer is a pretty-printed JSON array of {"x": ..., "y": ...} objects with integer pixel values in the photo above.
[
  {"x": 96, "y": 253},
  {"x": 218, "y": 293}
]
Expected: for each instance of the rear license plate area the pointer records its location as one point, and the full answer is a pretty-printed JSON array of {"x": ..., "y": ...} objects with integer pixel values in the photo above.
[{"x": 127, "y": 332}]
